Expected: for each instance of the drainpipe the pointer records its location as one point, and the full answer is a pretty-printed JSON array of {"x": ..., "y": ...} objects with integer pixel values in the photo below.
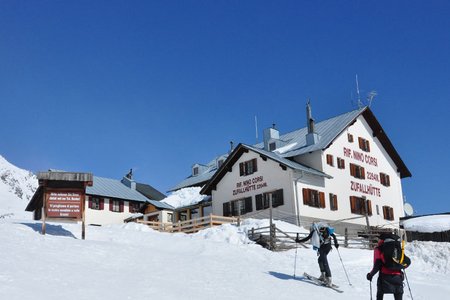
[{"x": 296, "y": 203}]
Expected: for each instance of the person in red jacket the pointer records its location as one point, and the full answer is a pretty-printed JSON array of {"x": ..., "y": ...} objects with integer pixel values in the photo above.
[{"x": 389, "y": 281}]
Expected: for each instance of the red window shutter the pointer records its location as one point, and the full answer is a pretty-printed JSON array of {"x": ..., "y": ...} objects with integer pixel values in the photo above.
[
  {"x": 130, "y": 207},
  {"x": 367, "y": 146},
  {"x": 388, "y": 181},
  {"x": 322, "y": 199},
  {"x": 89, "y": 201},
  {"x": 241, "y": 169},
  {"x": 352, "y": 169},
  {"x": 369, "y": 207},
  {"x": 255, "y": 167},
  {"x": 102, "y": 203},
  {"x": 360, "y": 142},
  {"x": 384, "y": 213},
  {"x": 305, "y": 196},
  {"x": 392, "y": 213},
  {"x": 110, "y": 204},
  {"x": 363, "y": 173},
  {"x": 352, "y": 204},
  {"x": 121, "y": 206},
  {"x": 335, "y": 205},
  {"x": 382, "y": 178}
]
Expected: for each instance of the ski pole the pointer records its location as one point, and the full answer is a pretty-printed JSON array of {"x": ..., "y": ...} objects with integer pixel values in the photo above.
[
  {"x": 370, "y": 282},
  {"x": 343, "y": 266},
  {"x": 295, "y": 261},
  {"x": 409, "y": 288}
]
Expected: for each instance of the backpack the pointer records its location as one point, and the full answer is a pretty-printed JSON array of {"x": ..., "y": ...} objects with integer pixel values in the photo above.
[{"x": 393, "y": 252}]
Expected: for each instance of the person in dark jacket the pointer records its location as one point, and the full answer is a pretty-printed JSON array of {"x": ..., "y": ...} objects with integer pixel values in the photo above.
[
  {"x": 321, "y": 235},
  {"x": 389, "y": 281}
]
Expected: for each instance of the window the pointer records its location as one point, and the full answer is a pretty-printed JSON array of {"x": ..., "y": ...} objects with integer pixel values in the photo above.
[
  {"x": 263, "y": 200},
  {"x": 134, "y": 207},
  {"x": 357, "y": 171},
  {"x": 237, "y": 207},
  {"x": 333, "y": 202},
  {"x": 95, "y": 203},
  {"x": 384, "y": 179},
  {"x": 169, "y": 217},
  {"x": 272, "y": 146},
  {"x": 364, "y": 144},
  {"x": 116, "y": 205},
  {"x": 388, "y": 213},
  {"x": 350, "y": 137},
  {"x": 195, "y": 171},
  {"x": 358, "y": 206},
  {"x": 340, "y": 163},
  {"x": 248, "y": 167},
  {"x": 378, "y": 209},
  {"x": 330, "y": 160},
  {"x": 313, "y": 198}
]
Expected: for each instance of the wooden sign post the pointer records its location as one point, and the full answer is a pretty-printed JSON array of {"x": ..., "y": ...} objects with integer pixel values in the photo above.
[{"x": 64, "y": 197}]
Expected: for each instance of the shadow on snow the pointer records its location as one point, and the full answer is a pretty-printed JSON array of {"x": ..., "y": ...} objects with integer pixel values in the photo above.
[{"x": 50, "y": 229}]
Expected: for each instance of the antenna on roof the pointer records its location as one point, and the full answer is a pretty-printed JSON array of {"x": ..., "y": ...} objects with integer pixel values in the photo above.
[
  {"x": 370, "y": 96},
  {"x": 256, "y": 128},
  {"x": 357, "y": 92}
]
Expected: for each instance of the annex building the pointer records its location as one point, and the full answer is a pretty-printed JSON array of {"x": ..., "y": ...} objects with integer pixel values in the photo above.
[{"x": 344, "y": 170}]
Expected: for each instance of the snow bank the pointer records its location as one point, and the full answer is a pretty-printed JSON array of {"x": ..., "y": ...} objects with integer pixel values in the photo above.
[
  {"x": 430, "y": 256},
  {"x": 436, "y": 223}
]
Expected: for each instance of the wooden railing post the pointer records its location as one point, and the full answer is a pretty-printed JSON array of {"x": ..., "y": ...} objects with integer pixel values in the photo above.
[{"x": 346, "y": 238}]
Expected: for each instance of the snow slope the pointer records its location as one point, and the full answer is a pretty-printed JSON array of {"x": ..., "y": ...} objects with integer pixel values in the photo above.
[
  {"x": 17, "y": 186},
  {"x": 134, "y": 262}
]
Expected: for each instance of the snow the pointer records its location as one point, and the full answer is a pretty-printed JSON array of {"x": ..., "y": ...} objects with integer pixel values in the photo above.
[
  {"x": 436, "y": 223},
  {"x": 286, "y": 148},
  {"x": 17, "y": 186},
  {"x": 132, "y": 261},
  {"x": 184, "y": 197}
]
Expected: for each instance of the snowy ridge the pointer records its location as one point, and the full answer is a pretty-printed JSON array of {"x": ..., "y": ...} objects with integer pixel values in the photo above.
[{"x": 17, "y": 186}]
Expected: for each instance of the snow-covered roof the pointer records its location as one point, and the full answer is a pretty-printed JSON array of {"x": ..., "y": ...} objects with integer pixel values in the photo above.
[
  {"x": 185, "y": 197},
  {"x": 431, "y": 223}
]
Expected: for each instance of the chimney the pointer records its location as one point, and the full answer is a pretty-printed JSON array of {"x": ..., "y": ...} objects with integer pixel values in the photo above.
[
  {"x": 311, "y": 137},
  {"x": 128, "y": 180},
  {"x": 231, "y": 146},
  {"x": 271, "y": 136}
]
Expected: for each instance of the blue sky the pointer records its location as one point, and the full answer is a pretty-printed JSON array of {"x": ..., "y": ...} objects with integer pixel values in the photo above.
[{"x": 105, "y": 86}]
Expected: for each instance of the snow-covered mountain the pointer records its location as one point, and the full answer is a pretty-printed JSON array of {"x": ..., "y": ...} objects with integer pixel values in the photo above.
[{"x": 17, "y": 186}]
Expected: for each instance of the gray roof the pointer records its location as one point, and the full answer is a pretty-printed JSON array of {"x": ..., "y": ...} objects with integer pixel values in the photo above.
[
  {"x": 149, "y": 191},
  {"x": 327, "y": 130},
  {"x": 113, "y": 188},
  {"x": 289, "y": 163},
  {"x": 202, "y": 178}
]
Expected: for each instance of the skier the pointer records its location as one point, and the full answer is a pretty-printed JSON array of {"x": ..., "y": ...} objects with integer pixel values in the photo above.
[
  {"x": 321, "y": 235},
  {"x": 390, "y": 278}
]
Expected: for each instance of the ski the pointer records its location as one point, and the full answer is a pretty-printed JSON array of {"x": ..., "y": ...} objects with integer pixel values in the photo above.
[{"x": 321, "y": 283}]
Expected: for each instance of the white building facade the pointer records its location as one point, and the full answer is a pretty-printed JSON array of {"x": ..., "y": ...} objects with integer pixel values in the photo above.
[{"x": 343, "y": 170}]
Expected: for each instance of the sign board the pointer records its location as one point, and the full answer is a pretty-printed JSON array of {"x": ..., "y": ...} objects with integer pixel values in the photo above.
[{"x": 64, "y": 203}]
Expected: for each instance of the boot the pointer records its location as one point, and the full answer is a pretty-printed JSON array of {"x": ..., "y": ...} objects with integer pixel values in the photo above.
[
  {"x": 328, "y": 281},
  {"x": 322, "y": 277}
]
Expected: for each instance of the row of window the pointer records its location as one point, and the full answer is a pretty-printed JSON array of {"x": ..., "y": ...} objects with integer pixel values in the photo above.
[
  {"x": 245, "y": 205},
  {"x": 114, "y": 205},
  {"x": 358, "y": 205},
  {"x": 364, "y": 144},
  {"x": 356, "y": 170}
]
